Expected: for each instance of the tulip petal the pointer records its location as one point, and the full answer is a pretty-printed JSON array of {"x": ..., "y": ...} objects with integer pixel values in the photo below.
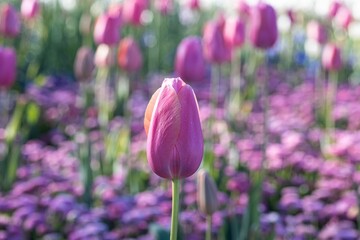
[
  {"x": 163, "y": 132},
  {"x": 190, "y": 144},
  {"x": 149, "y": 110}
]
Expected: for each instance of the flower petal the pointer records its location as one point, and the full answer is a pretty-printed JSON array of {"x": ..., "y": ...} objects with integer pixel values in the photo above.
[{"x": 149, "y": 110}]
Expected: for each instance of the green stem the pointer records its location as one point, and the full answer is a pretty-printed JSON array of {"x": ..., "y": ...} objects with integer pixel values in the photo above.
[
  {"x": 209, "y": 226},
  {"x": 175, "y": 208}
]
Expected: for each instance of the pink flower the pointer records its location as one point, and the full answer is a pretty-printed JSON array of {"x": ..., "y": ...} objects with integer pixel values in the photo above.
[
  {"x": 9, "y": 21},
  {"x": 243, "y": 9},
  {"x": 164, "y": 6},
  {"x": 331, "y": 57},
  {"x": 215, "y": 48},
  {"x": 316, "y": 31},
  {"x": 263, "y": 26},
  {"x": 334, "y": 7},
  {"x": 175, "y": 143},
  {"x": 189, "y": 61},
  {"x": 116, "y": 11},
  {"x": 193, "y": 4},
  {"x": 132, "y": 10},
  {"x": 234, "y": 32},
  {"x": 129, "y": 55},
  {"x": 107, "y": 30},
  {"x": 7, "y": 67},
  {"x": 343, "y": 17},
  {"x": 30, "y": 8}
]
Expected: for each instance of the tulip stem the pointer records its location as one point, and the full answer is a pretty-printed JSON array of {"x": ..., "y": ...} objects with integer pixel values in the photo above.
[
  {"x": 209, "y": 226},
  {"x": 175, "y": 208}
]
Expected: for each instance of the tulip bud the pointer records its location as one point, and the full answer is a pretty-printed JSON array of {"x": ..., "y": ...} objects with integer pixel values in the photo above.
[
  {"x": 9, "y": 21},
  {"x": 7, "y": 67},
  {"x": 317, "y": 32},
  {"x": 331, "y": 57},
  {"x": 84, "y": 64},
  {"x": 132, "y": 10},
  {"x": 164, "y": 6},
  {"x": 129, "y": 55},
  {"x": 263, "y": 26},
  {"x": 175, "y": 143},
  {"x": 30, "y": 8},
  {"x": 193, "y": 4},
  {"x": 215, "y": 48},
  {"x": 206, "y": 193},
  {"x": 189, "y": 61},
  {"x": 334, "y": 7},
  {"x": 343, "y": 17},
  {"x": 234, "y": 32},
  {"x": 107, "y": 30},
  {"x": 104, "y": 56}
]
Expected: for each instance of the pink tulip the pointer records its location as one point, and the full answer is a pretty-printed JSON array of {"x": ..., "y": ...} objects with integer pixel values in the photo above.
[
  {"x": 175, "y": 143},
  {"x": 343, "y": 17},
  {"x": 334, "y": 7},
  {"x": 234, "y": 32},
  {"x": 317, "y": 32},
  {"x": 243, "y": 9},
  {"x": 215, "y": 48},
  {"x": 331, "y": 57},
  {"x": 104, "y": 56},
  {"x": 132, "y": 10},
  {"x": 7, "y": 67},
  {"x": 129, "y": 55},
  {"x": 292, "y": 16},
  {"x": 30, "y": 8},
  {"x": 107, "y": 30},
  {"x": 193, "y": 4},
  {"x": 9, "y": 21},
  {"x": 263, "y": 26},
  {"x": 189, "y": 61},
  {"x": 116, "y": 11},
  {"x": 164, "y": 6}
]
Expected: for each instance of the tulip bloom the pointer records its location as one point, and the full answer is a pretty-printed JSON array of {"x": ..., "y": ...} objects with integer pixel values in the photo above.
[
  {"x": 9, "y": 21},
  {"x": 106, "y": 30},
  {"x": 316, "y": 31},
  {"x": 175, "y": 143},
  {"x": 243, "y": 9},
  {"x": 263, "y": 26},
  {"x": 189, "y": 61},
  {"x": 129, "y": 55},
  {"x": 84, "y": 64},
  {"x": 104, "y": 56},
  {"x": 132, "y": 10},
  {"x": 193, "y": 4},
  {"x": 331, "y": 57},
  {"x": 234, "y": 32},
  {"x": 343, "y": 17},
  {"x": 116, "y": 11},
  {"x": 30, "y": 8},
  {"x": 334, "y": 7},
  {"x": 7, "y": 67},
  {"x": 215, "y": 48}
]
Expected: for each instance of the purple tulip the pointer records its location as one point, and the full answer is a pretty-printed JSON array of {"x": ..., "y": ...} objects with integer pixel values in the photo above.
[
  {"x": 215, "y": 48},
  {"x": 129, "y": 55},
  {"x": 263, "y": 26},
  {"x": 234, "y": 32},
  {"x": 9, "y": 21},
  {"x": 334, "y": 7},
  {"x": 331, "y": 57},
  {"x": 84, "y": 63},
  {"x": 30, "y": 8},
  {"x": 316, "y": 31},
  {"x": 175, "y": 142},
  {"x": 7, "y": 67},
  {"x": 189, "y": 61},
  {"x": 106, "y": 30}
]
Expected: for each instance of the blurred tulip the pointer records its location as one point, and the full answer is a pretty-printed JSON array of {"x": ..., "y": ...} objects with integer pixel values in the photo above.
[
  {"x": 292, "y": 16},
  {"x": 234, "y": 32},
  {"x": 175, "y": 143},
  {"x": 316, "y": 31},
  {"x": 104, "y": 56},
  {"x": 129, "y": 55},
  {"x": 206, "y": 193},
  {"x": 189, "y": 61},
  {"x": 334, "y": 7},
  {"x": 331, "y": 57},
  {"x": 107, "y": 30},
  {"x": 164, "y": 6},
  {"x": 263, "y": 26},
  {"x": 215, "y": 48},
  {"x": 84, "y": 64},
  {"x": 85, "y": 24},
  {"x": 30, "y": 8},
  {"x": 116, "y": 11},
  {"x": 7, "y": 67},
  {"x": 343, "y": 17},
  {"x": 9, "y": 21},
  {"x": 243, "y": 9},
  {"x": 193, "y": 4},
  {"x": 132, "y": 10}
]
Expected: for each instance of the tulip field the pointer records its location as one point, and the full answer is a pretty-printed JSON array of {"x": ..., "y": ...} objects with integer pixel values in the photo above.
[{"x": 179, "y": 119}]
